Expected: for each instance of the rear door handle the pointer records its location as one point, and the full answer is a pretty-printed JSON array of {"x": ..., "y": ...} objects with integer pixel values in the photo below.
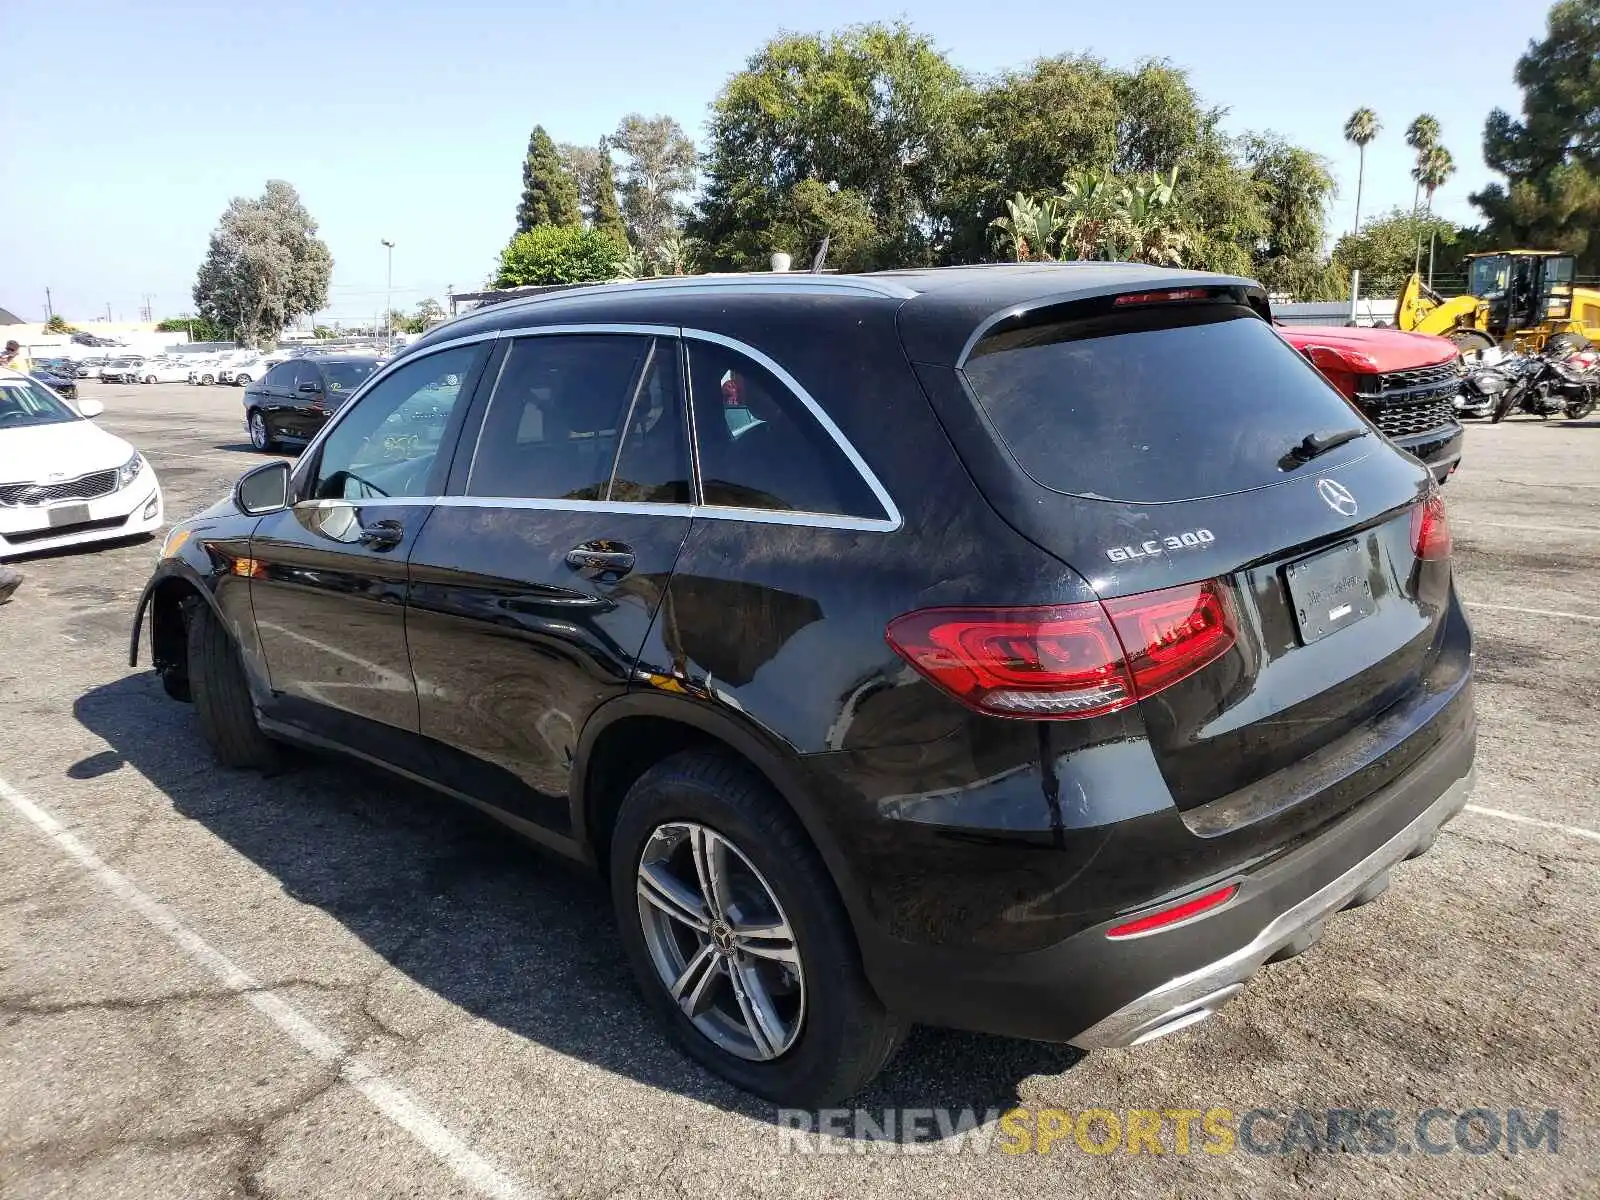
[
  {"x": 383, "y": 535},
  {"x": 601, "y": 558}
]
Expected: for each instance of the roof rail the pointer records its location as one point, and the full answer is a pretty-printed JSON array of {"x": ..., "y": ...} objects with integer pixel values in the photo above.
[{"x": 754, "y": 281}]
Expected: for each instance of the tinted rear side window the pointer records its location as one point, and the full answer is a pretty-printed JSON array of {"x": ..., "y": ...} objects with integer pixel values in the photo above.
[
  {"x": 759, "y": 445},
  {"x": 1154, "y": 405}
]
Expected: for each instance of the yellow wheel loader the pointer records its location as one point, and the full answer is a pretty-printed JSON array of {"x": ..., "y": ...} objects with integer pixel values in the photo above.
[{"x": 1515, "y": 298}]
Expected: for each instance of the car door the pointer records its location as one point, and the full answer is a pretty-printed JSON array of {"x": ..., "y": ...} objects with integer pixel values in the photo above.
[
  {"x": 328, "y": 574},
  {"x": 535, "y": 582},
  {"x": 303, "y": 411},
  {"x": 270, "y": 395}
]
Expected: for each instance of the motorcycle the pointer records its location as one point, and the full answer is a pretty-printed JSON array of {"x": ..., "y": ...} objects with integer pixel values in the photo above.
[
  {"x": 1543, "y": 387},
  {"x": 1577, "y": 382},
  {"x": 1481, "y": 390}
]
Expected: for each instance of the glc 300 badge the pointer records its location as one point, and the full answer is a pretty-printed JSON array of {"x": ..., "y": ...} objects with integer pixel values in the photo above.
[{"x": 1190, "y": 539}]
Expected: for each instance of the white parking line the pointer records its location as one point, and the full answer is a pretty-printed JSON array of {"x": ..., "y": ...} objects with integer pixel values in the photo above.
[
  {"x": 1470, "y": 523},
  {"x": 1576, "y": 831},
  {"x": 392, "y": 1101},
  {"x": 1533, "y": 612}
]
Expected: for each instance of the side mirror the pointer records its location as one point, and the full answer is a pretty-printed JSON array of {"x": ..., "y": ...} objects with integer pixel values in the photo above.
[
  {"x": 263, "y": 490},
  {"x": 311, "y": 388},
  {"x": 90, "y": 408}
]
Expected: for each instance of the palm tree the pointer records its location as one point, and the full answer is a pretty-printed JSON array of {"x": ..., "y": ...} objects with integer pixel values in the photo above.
[
  {"x": 1432, "y": 172},
  {"x": 1422, "y": 135},
  {"x": 1360, "y": 129}
]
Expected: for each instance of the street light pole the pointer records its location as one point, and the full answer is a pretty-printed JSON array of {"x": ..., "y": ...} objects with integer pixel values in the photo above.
[{"x": 388, "y": 300}]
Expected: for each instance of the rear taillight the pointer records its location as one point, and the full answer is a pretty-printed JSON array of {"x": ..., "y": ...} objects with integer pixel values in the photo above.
[
  {"x": 1430, "y": 529},
  {"x": 1067, "y": 661}
]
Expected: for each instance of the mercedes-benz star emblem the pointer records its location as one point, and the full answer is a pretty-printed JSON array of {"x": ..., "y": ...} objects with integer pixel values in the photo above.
[{"x": 1337, "y": 497}]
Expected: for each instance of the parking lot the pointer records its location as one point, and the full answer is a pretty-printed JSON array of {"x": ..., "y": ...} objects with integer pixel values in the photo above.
[{"x": 328, "y": 983}]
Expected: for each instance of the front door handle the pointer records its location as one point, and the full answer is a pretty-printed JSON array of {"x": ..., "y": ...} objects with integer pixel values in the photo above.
[
  {"x": 382, "y": 535},
  {"x": 601, "y": 558}
]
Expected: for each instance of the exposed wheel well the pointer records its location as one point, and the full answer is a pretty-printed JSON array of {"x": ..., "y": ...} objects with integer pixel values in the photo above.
[
  {"x": 624, "y": 751},
  {"x": 169, "y": 642}
]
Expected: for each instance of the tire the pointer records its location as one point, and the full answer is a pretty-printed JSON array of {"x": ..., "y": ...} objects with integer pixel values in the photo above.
[
  {"x": 221, "y": 696},
  {"x": 1471, "y": 341},
  {"x": 833, "y": 1034},
  {"x": 241, "y": 380},
  {"x": 149, "y": 378},
  {"x": 1566, "y": 343},
  {"x": 207, "y": 380},
  {"x": 260, "y": 437}
]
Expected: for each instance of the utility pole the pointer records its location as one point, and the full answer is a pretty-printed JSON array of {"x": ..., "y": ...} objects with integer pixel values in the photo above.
[
  {"x": 49, "y": 306},
  {"x": 388, "y": 298},
  {"x": 108, "y": 310}
]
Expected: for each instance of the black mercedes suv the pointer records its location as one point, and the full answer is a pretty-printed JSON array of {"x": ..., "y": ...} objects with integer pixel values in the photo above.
[
  {"x": 1032, "y": 649},
  {"x": 293, "y": 400}
]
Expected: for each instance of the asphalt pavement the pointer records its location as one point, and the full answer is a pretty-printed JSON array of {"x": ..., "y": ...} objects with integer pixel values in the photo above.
[{"x": 327, "y": 983}]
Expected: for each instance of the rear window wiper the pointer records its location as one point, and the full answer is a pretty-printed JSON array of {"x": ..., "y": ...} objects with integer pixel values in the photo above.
[{"x": 1312, "y": 447}]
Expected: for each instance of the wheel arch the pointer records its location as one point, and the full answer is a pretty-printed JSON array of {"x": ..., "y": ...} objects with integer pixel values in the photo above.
[{"x": 627, "y": 736}]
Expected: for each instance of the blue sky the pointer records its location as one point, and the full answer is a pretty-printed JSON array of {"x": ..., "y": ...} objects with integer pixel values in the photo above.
[{"x": 129, "y": 126}]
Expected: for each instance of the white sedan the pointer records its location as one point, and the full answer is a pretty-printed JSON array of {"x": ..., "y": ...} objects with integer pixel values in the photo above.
[
  {"x": 158, "y": 371},
  {"x": 63, "y": 479}
]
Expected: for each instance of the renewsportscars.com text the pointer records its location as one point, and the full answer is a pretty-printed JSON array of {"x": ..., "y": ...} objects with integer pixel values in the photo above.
[{"x": 1214, "y": 1131}]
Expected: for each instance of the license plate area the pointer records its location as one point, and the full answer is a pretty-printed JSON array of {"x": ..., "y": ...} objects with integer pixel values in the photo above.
[
  {"x": 1329, "y": 591},
  {"x": 68, "y": 514}
]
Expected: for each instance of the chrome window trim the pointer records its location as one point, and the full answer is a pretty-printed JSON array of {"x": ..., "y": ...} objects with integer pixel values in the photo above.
[
  {"x": 891, "y": 521},
  {"x": 762, "y": 516}
]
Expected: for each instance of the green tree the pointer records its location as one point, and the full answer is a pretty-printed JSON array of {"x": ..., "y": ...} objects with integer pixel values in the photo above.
[
  {"x": 596, "y": 175},
  {"x": 1383, "y": 251},
  {"x": 1551, "y": 155},
  {"x": 58, "y": 324},
  {"x": 1422, "y": 135},
  {"x": 874, "y": 109},
  {"x": 549, "y": 192},
  {"x": 1294, "y": 186},
  {"x": 429, "y": 312},
  {"x": 558, "y": 254},
  {"x": 1360, "y": 130},
  {"x": 658, "y": 166},
  {"x": 264, "y": 267},
  {"x": 199, "y": 329}
]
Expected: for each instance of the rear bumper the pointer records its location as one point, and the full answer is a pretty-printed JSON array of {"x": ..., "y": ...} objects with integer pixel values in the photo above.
[
  {"x": 1191, "y": 998},
  {"x": 1092, "y": 990}
]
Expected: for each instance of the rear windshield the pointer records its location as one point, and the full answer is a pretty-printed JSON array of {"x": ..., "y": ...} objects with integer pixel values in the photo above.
[{"x": 1155, "y": 404}]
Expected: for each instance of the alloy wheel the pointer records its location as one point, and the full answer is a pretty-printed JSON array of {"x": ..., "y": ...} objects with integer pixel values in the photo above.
[
  {"x": 721, "y": 943},
  {"x": 258, "y": 431}
]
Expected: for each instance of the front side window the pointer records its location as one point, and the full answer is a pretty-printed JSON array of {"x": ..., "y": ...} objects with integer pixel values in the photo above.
[
  {"x": 560, "y": 407},
  {"x": 388, "y": 444},
  {"x": 760, "y": 447}
]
